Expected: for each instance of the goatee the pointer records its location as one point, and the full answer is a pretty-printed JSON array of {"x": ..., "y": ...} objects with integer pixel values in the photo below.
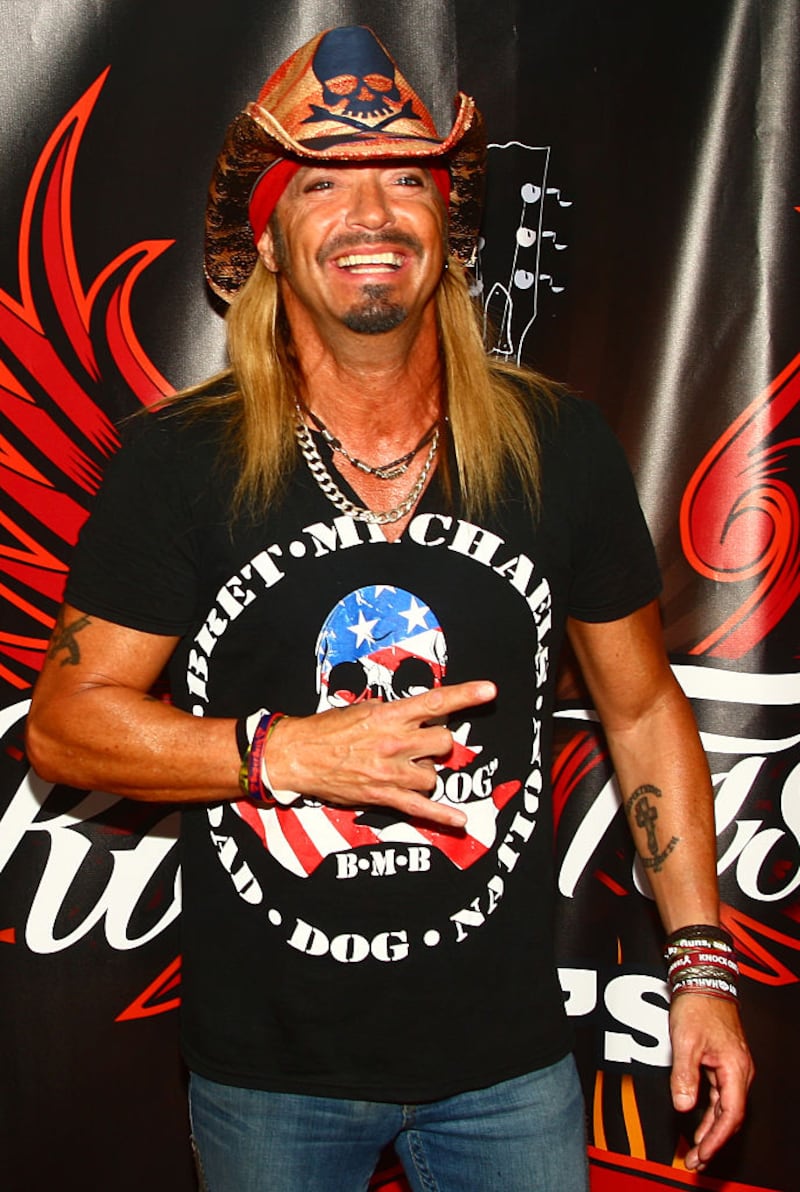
[{"x": 375, "y": 313}]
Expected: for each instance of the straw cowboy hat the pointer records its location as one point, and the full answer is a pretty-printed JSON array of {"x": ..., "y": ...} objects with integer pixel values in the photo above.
[{"x": 339, "y": 98}]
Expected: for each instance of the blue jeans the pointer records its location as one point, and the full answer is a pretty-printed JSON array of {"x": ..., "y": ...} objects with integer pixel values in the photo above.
[{"x": 522, "y": 1135}]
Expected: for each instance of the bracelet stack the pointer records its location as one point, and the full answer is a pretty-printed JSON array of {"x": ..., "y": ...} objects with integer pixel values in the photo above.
[
  {"x": 701, "y": 959},
  {"x": 255, "y": 732}
]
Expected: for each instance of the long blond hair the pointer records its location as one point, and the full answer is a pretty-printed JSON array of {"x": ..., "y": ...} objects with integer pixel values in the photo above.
[{"x": 490, "y": 404}]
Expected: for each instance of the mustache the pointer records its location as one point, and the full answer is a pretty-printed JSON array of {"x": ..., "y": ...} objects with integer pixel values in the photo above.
[{"x": 344, "y": 241}]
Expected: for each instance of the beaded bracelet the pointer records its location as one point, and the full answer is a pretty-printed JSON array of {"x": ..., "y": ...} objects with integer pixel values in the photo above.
[{"x": 701, "y": 959}]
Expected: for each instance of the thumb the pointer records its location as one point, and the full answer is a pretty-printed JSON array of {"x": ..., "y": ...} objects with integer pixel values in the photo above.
[{"x": 685, "y": 1079}]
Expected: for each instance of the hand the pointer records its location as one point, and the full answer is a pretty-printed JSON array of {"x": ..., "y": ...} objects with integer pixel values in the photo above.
[
  {"x": 707, "y": 1034},
  {"x": 374, "y": 753}
]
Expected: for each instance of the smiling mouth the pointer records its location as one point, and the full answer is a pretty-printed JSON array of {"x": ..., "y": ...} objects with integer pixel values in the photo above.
[{"x": 368, "y": 262}]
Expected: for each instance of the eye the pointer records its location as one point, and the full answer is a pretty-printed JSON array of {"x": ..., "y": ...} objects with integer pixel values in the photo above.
[
  {"x": 317, "y": 184},
  {"x": 347, "y": 682},
  {"x": 412, "y": 677},
  {"x": 342, "y": 84},
  {"x": 415, "y": 179}
]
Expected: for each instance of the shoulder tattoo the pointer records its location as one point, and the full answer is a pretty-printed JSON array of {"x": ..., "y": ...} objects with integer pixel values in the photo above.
[{"x": 65, "y": 637}]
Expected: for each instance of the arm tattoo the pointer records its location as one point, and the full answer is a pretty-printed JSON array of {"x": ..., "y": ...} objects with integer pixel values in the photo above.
[
  {"x": 645, "y": 814},
  {"x": 65, "y": 638}
]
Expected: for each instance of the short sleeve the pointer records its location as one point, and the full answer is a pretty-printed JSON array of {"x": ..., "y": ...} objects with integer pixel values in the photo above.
[
  {"x": 134, "y": 563},
  {"x": 615, "y": 571}
]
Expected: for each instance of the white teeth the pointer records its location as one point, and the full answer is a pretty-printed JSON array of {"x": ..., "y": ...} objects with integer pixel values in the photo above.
[{"x": 355, "y": 260}]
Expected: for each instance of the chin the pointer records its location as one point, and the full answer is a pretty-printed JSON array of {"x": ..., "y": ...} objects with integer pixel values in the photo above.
[
  {"x": 375, "y": 315},
  {"x": 375, "y": 322}
]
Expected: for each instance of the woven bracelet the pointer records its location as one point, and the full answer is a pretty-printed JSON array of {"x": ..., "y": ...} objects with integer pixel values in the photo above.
[
  {"x": 713, "y": 986},
  {"x": 701, "y": 959}
]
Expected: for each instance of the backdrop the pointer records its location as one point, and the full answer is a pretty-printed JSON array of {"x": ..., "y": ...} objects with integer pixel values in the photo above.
[{"x": 641, "y": 242}]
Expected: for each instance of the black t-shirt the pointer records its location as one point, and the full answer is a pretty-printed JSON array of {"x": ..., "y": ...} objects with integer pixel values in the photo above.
[{"x": 358, "y": 954}]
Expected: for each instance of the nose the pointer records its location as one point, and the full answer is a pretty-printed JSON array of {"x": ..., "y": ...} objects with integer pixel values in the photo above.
[{"x": 369, "y": 202}]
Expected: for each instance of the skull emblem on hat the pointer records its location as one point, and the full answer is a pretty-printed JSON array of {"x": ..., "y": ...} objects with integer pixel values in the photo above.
[
  {"x": 378, "y": 643},
  {"x": 355, "y": 70}
]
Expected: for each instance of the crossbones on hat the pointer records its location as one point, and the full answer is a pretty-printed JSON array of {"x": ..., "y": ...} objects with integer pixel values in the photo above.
[{"x": 339, "y": 98}]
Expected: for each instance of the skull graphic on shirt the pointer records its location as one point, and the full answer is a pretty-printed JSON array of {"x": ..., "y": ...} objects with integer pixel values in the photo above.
[
  {"x": 378, "y": 643},
  {"x": 383, "y": 643}
]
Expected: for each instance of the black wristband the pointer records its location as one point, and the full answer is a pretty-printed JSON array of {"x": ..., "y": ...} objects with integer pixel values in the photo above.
[
  {"x": 242, "y": 741},
  {"x": 699, "y": 931}
]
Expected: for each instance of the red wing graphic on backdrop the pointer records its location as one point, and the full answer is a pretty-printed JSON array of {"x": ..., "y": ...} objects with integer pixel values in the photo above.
[
  {"x": 759, "y": 947},
  {"x": 740, "y": 521},
  {"x": 50, "y": 393},
  {"x": 63, "y": 343},
  {"x": 161, "y": 995}
]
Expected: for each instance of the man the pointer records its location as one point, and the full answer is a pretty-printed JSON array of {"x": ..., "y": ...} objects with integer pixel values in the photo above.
[{"x": 359, "y": 552}]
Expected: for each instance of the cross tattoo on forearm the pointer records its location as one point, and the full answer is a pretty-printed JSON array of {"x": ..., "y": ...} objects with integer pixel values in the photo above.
[{"x": 645, "y": 815}]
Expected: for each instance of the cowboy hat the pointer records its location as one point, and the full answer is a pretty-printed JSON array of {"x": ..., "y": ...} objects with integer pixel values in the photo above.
[{"x": 339, "y": 98}]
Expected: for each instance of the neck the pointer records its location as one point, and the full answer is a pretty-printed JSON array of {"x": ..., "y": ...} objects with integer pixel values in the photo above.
[{"x": 380, "y": 389}]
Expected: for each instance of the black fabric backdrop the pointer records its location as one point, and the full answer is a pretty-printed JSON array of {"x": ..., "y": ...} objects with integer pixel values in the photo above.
[{"x": 641, "y": 242}]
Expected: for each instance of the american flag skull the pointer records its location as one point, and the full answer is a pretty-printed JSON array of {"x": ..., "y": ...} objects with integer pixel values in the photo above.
[
  {"x": 383, "y": 643},
  {"x": 378, "y": 643}
]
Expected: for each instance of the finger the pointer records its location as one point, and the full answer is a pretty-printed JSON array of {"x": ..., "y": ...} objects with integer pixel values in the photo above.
[
  {"x": 713, "y": 1137},
  {"x": 723, "y": 1117},
  {"x": 726, "y": 1117},
  {"x": 685, "y": 1080},
  {"x": 708, "y": 1118},
  {"x": 423, "y": 776},
  {"x": 431, "y": 741},
  {"x": 406, "y": 758},
  {"x": 692, "y": 1158},
  {"x": 421, "y": 807},
  {"x": 444, "y": 701}
]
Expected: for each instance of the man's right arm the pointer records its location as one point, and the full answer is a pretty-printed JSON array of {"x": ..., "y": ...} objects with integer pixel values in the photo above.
[{"x": 93, "y": 724}]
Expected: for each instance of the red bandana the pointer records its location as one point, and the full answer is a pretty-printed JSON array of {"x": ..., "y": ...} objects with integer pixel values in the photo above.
[{"x": 273, "y": 182}]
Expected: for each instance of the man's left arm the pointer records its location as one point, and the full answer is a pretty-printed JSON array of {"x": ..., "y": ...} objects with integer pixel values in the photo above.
[{"x": 666, "y": 790}]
